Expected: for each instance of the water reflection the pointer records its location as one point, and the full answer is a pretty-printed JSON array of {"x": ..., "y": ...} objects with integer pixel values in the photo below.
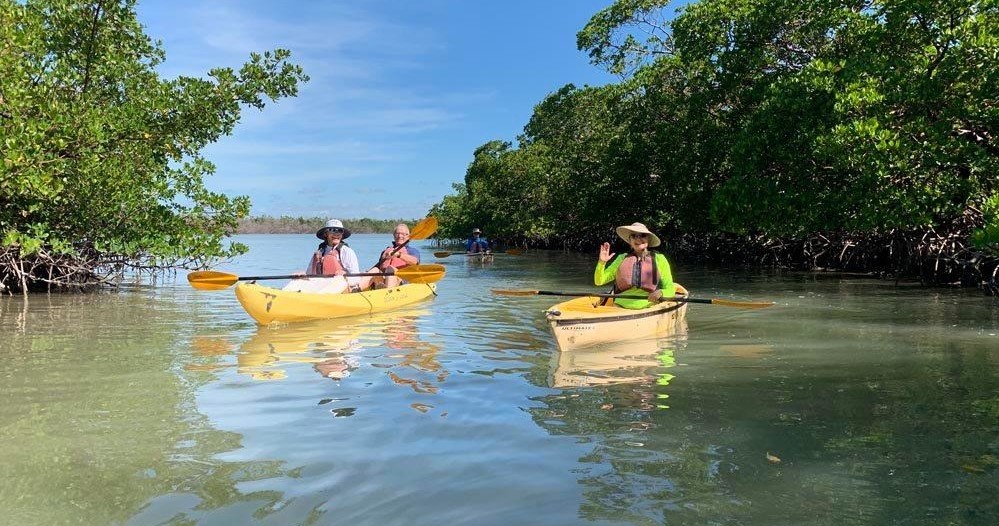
[
  {"x": 208, "y": 353},
  {"x": 641, "y": 361},
  {"x": 418, "y": 367},
  {"x": 336, "y": 349},
  {"x": 325, "y": 344},
  {"x": 882, "y": 398},
  {"x": 97, "y": 424}
]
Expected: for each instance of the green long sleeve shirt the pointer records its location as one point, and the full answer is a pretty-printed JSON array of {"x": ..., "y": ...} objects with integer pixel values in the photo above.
[{"x": 605, "y": 274}]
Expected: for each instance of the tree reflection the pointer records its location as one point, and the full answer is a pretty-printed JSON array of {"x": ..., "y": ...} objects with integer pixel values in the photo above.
[{"x": 101, "y": 421}]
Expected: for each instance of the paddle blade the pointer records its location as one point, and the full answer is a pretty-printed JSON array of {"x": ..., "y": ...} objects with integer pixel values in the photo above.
[
  {"x": 515, "y": 251},
  {"x": 421, "y": 273},
  {"x": 211, "y": 280},
  {"x": 442, "y": 254},
  {"x": 424, "y": 228},
  {"x": 509, "y": 292}
]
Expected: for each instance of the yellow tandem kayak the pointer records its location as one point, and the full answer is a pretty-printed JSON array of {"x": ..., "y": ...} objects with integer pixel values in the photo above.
[
  {"x": 267, "y": 305},
  {"x": 582, "y": 322}
]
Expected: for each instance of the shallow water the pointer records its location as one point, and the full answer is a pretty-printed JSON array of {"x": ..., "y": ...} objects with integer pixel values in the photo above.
[{"x": 849, "y": 402}]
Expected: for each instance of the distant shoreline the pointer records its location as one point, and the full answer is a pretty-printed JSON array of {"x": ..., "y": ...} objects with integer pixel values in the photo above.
[{"x": 307, "y": 225}]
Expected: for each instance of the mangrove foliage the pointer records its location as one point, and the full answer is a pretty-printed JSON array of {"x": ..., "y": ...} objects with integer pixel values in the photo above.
[
  {"x": 852, "y": 135},
  {"x": 100, "y": 163}
]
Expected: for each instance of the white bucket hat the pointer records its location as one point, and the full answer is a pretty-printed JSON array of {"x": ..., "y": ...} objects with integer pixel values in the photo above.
[
  {"x": 626, "y": 231},
  {"x": 332, "y": 223}
]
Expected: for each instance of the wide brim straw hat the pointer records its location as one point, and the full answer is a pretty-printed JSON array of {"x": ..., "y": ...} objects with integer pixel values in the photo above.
[
  {"x": 626, "y": 231},
  {"x": 332, "y": 223}
]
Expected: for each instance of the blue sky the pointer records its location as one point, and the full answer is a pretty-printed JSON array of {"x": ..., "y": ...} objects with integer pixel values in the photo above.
[{"x": 401, "y": 92}]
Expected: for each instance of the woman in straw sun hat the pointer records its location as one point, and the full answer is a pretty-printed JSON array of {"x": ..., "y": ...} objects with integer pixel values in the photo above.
[{"x": 639, "y": 272}]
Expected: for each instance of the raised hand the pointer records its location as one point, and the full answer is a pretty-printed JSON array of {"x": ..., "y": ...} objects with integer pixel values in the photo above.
[{"x": 605, "y": 253}]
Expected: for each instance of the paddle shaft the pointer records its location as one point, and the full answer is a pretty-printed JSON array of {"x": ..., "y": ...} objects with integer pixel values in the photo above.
[
  {"x": 300, "y": 276},
  {"x": 679, "y": 299},
  {"x": 622, "y": 296}
]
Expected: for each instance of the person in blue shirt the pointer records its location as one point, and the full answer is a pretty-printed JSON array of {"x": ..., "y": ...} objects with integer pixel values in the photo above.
[
  {"x": 477, "y": 244},
  {"x": 395, "y": 256}
]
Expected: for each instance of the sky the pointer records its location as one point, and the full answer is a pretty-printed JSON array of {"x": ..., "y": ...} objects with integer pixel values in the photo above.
[{"x": 401, "y": 92}]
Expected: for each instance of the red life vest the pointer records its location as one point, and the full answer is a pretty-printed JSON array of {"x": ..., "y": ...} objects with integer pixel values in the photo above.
[
  {"x": 394, "y": 261},
  {"x": 648, "y": 274},
  {"x": 327, "y": 265}
]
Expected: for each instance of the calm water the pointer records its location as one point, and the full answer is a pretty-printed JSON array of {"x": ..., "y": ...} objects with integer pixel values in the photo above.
[{"x": 850, "y": 402}]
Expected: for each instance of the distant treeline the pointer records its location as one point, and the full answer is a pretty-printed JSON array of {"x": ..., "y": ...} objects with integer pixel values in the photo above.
[{"x": 303, "y": 225}]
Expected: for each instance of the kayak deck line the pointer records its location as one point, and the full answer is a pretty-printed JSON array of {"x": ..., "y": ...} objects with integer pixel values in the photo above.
[{"x": 611, "y": 319}]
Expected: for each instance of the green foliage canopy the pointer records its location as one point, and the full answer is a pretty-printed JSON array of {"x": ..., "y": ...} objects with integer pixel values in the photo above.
[
  {"x": 100, "y": 154},
  {"x": 761, "y": 117}
]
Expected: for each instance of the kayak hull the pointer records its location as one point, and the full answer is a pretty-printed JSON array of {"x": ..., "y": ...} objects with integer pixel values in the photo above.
[
  {"x": 583, "y": 322},
  {"x": 267, "y": 305}
]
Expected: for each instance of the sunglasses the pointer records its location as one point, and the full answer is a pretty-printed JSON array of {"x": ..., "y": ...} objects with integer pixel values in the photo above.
[
  {"x": 639, "y": 236},
  {"x": 334, "y": 230}
]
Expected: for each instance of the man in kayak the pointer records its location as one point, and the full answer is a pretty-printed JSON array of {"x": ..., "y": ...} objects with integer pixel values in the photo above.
[
  {"x": 333, "y": 258},
  {"x": 395, "y": 256},
  {"x": 641, "y": 272},
  {"x": 476, "y": 243}
]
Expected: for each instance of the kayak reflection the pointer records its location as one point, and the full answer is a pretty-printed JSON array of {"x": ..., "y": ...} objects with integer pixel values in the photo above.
[
  {"x": 418, "y": 366},
  {"x": 632, "y": 361},
  {"x": 331, "y": 346}
]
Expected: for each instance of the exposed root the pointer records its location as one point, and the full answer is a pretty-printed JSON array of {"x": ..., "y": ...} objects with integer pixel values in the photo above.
[{"x": 47, "y": 271}]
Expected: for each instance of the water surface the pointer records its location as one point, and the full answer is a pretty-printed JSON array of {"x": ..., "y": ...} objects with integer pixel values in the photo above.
[{"x": 850, "y": 402}]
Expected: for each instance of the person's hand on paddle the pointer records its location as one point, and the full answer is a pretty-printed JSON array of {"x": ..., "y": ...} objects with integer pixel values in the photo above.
[
  {"x": 656, "y": 296},
  {"x": 605, "y": 253}
]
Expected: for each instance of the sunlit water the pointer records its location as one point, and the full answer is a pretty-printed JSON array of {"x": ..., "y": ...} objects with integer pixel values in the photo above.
[{"x": 849, "y": 402}]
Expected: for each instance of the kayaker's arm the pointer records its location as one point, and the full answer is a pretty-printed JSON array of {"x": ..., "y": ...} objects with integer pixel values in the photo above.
[
  {"x": 604, "y": 273},
  {"x": 348, "y": 258},
  {"x": 665, "y": 276}
]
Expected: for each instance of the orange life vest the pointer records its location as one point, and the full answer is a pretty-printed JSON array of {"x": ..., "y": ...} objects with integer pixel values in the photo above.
[
  {"x": 329, "y": 264},
  {"x": 395, "y": 261},
  {"x": 647, "y": 276}
]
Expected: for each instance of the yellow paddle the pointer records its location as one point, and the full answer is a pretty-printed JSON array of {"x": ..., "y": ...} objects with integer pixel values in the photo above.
[
  {"x": 215, "y": 280},
  {"x": 684, "y": 299},
  {"x": 424, "y": 228},
  {"x": 446, "y": 253}
]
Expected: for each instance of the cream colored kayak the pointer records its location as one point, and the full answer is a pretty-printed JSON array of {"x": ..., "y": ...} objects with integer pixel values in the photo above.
[
  {"x": 582, "y": 322},
  {"x": 267, "y": 305}
]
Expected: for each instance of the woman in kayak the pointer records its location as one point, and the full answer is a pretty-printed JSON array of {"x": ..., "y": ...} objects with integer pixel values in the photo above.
[
  {"x": 641, "y": 272},
  {"x": 333, "y": 258}
]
